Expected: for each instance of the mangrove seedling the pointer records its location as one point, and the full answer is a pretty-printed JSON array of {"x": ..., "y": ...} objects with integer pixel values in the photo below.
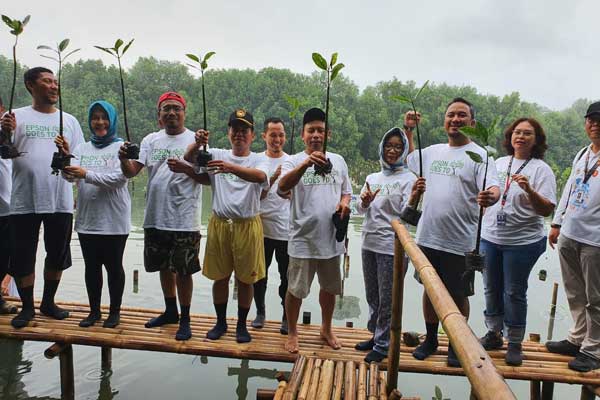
[
  {"x": 332, "y": 69},
  {"x": 474, "y": 260},
  {"x": 294, "y": 104},
  {"x": 201, "y": 64},
  {"x": 118, "y": 51},
  {"x": 411, "y": 214},
  {"x": 8, "y": 149},
  {"x": 60, "y": 160}
]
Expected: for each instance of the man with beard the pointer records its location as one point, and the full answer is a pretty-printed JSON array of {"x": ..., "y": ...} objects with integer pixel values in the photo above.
[
  {"x": 173, "y": 208},
  {"x": 448, "y": 225},
  {"x": 312, "y": 246},
  {"x": 38, "y": 196},
  {"x": 575, "y": 229}
]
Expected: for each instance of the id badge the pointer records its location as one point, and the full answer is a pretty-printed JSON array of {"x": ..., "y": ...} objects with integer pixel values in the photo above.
[
  {"x": 501, "y": 218},
  {"x": 579, "y": 197}
]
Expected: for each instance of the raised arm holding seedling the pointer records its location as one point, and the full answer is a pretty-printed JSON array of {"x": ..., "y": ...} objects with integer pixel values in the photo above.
[
  {"x": 117, "y": 51},
  {"x": 61, "y": 158},
  {"x": 7, "y": 148}
]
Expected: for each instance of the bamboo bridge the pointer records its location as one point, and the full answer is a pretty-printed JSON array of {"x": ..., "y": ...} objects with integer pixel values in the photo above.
[{"x": 486, "y": 370}]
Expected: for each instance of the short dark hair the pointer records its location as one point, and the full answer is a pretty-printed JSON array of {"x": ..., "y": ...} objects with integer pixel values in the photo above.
[
  {"x": 464, "y": 101},
  {"x": 540, "y": 146},
  {"x": 32, "y": 75},
  {"x": 272, "y": 120}
]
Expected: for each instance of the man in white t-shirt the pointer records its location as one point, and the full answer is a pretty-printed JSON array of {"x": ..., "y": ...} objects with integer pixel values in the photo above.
[
  {"x": 173, "y": 209},
  {"x": 5, "y": 186},
  {"x": 275, "y": 215},
  {"x": 312, "y": 246},
  {"x": 575, "y": 229},
  {"x": 38, "y": 196},
  {"x": 234, "y": 244},
  {"x": 448, "y": 225}
]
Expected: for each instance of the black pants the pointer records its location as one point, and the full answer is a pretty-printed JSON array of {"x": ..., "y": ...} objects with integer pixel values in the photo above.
[
  {"x": 104, "y": 250},
  {"x": 279, "y": 247},
  {"x": 4, "y": 248}
]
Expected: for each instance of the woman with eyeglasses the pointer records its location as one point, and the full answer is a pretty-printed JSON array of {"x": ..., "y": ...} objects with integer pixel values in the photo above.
[
  {"x": 513, "y": 236},
  {"x": 103, "y": 210},
  {"x": 382, "y": 199}
]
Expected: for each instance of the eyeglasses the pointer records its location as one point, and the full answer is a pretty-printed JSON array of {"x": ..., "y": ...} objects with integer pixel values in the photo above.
[
  {"x": 399, "y": 148},
  {"x": 593, "y": 120},
  {"x": 168, "y": 109},
  {"x": 524, "y": 133}
]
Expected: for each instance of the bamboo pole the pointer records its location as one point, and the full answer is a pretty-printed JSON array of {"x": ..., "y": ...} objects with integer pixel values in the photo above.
[
  {"x": 326, "y": 380},
  {"x": 106, "y": 357},
  {"x": 586, "y": 394},
  {"x": 373, "y": 393},
  {"x": 362, "y": 382},
  {"x": 548, "y": 387},
  {"x": 350, "y": 381},
  {"x": 396, "y": 323},
  {"x": 67, "y": 379},
  {"x": 295, "y": 377},
  {"x": 382, "y": 386},
  {"x": 280, "y": 390},
  {"x": 395, "y": 395},
  {"x": 265, "y": 394},
  {"x": 314, "y": 380},
  {"x": 306, "y": 379},
  {"x": 338, "y": 383},
  {"x": 485, "y": 379}
]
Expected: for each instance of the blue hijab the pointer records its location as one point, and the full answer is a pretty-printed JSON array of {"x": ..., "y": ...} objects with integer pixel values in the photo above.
[
  {"x": 386, "y": 168},
  {"x": 101, "y": 142}
]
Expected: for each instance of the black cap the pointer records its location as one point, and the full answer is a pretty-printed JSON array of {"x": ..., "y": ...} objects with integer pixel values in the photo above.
[
  {"x": 314, "y": 114},
  {"x": 594, "y": 108},
  {"x": 241, "y": 115}
]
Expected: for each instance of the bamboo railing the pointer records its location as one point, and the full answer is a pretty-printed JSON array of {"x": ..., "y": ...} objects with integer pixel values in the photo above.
[{"x": 486, "y": 381}]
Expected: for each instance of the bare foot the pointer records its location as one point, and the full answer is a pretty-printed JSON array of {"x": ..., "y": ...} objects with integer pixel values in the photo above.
[
  {"x": 291, "y": 344},
  {"x": 331, "y": 339}
]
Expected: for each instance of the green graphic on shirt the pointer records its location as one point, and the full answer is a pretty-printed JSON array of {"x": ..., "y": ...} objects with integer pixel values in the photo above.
[
  {"x": 387, "y": 188},
  {"x": 310, "y": 178},
  {"x": 164, "y": 154},
  {"x": 100, "y": 160},
  {"x": 445, "y": 167},
  {"x": 502, "y": 177},
  {"x": 231, "y": 177},
  {"x": 41, "y": 131}
]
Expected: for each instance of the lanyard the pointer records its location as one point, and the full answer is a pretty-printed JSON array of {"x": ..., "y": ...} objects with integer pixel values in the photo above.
[
  {"x": 588, "y": 174},
  {"x": 508, "y": 178}
]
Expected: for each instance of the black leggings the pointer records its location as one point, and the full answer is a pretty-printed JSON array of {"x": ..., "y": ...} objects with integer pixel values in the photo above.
[
  {"x": 4, "y": 248},
  {"x": 108, "y": 250},
  {"x": 279, "y": 247}
]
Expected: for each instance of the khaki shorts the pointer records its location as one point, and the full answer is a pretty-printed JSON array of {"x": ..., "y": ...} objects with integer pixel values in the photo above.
[
  {"x": 301, "y": 272},
  {"x": 235, "y": 246}
]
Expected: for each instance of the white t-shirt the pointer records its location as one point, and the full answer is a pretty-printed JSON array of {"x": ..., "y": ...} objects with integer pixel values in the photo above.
[
  {"x": 314, "y": 199},
  {"x": 173, "y": 200},
  {"x": 275, "y": 210},
  {"x": 582, "y": 217},
  {"x": 35, "y": 189},
  {"x": 450, "y": 209},
  {"x": 394, "y": 192},
  {"x": 5, "y": 186},
  {"x": 233, "y": 197},
  {"x": 103, "y": 202},
  {"x": 523, "y": 224}
]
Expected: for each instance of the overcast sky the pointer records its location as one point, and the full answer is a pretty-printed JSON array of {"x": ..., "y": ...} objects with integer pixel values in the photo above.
[{"x": 547, "y": 50}]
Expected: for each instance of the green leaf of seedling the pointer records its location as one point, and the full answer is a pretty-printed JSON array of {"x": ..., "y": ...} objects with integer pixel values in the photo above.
[
  {"x": 109, "y": 51},
  {"x": 438, "y": 393},
  {"x": 474, "y": 156},
  {"x": 336, "y": 70},
  {"x": 74, "y": 51},
  {"x": 7, "y": 20},
  {"x": 402, "y": 99},
  {"x": 118, "y": 44},
  {"x": 192, "y": 66},
  {"x": 475, "y": 132},
  {"x": 193, "y": 57},
  {"x": 334, "y": 57},
  {"x": 63, "y": 45},
  {"x": 44, "y": 47},
  {"x": 18, "y": 27},
  {"x": 491, "y": 150},
  {"x": 49, "y": 57},
  {"x": 26, "y": 20},
  {"x": 203, "y": 65},
  {"x": 319, "y": 61},
  {"x": 208, "y": 55},
  {"x": 421, "y": 90},
  {"x": 127, "y": 46}
]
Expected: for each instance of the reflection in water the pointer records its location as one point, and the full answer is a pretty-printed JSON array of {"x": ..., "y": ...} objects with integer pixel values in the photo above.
[
  {"x": 106, "y": 392},
  {"x": 244, "y": 373},
  {"x": 346, "y": 307}
]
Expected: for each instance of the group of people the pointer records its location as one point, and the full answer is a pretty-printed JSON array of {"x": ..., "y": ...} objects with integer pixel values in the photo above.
[{"x": 290, "y": 206}]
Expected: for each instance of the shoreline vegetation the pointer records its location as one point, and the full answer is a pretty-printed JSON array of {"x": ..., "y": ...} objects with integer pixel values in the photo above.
[{"x": 358, "y": 121}]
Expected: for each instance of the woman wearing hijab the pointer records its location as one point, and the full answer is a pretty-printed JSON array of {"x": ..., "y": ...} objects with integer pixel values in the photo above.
[
  {"x": 103, "y": 210},
  {"x": 382, "y": 199}
]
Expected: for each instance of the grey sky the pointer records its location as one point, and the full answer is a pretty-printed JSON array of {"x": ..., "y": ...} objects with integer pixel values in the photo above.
[{"x": 546, "y": 50}]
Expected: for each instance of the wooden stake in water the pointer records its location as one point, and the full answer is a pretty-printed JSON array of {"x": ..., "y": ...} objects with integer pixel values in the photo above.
[
  {"x": 135, "y": 280},
  {"x": 552, "y": 311}
]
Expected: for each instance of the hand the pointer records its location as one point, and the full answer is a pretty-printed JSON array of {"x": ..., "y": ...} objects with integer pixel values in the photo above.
[
  {"x": 75, "y": 172},
  {"x": 179, "y": 166},
  {"x": 8, "y": 123},
  {"x": 220, "y": 167},
  {"x": 553, "y": 236},
  {"x": 342, "y": 209},
  {"x": 368, "y": 196},
  {"x": 411, "y": 120},
  {"x": 316, "y": 158},
  {"x": 419, "y": 187},
  {"x": 201, "y": 137},
  {"x": 486, "y": 198},
  {"x": 123, "y": 152},
  {"x": 275, "y": 176},
  {"x": 523, "y": 183},
  {"x": 62, "y": 144}
]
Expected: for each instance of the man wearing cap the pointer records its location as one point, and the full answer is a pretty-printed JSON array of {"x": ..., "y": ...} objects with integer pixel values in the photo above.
[
  {"x": 575, "y": 229},
  {"x": 235, "y": 235},
  {"x": 312, "y": 246},
  {"x": 173, "y": 208}
]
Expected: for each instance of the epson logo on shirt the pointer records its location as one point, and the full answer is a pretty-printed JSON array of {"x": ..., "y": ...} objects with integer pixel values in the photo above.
[
  {"x": 310, "y": 178},
  {"x": 445, "y": 167},
  {"x": 386, "y": 189},
  {"x": 164, "y": 154},
  {"x": 41, "y": 131},
  {"x": 90, "y": 161}
]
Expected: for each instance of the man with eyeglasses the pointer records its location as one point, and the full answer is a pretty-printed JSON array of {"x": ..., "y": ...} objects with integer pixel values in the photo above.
[
  {"x": 173, "y": 209},
  {"x": 575, "y": 229},
  {"x": 448, "y": 225}
]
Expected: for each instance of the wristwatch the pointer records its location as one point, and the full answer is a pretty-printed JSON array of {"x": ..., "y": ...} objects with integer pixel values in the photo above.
[{"x": 555, "y": 226}]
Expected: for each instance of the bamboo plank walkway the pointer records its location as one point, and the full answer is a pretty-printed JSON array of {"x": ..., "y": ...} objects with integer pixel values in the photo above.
[{"x": 267, "y": 344}]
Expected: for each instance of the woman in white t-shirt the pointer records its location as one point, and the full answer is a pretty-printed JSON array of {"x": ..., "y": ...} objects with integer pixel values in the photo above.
[
  {"x": 383, "y": 197},
  {"x": 103, "y": 210},
  {"x": 513, "y": 234}
]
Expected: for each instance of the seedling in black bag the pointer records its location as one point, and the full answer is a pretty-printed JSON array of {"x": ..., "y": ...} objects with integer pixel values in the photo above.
[
  {"x": 60, "y": 160},
  {"x": 133, "y": 149}
]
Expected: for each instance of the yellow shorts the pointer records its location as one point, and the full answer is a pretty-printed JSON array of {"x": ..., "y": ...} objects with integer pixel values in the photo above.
[{"x": 234, "y": 245}]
